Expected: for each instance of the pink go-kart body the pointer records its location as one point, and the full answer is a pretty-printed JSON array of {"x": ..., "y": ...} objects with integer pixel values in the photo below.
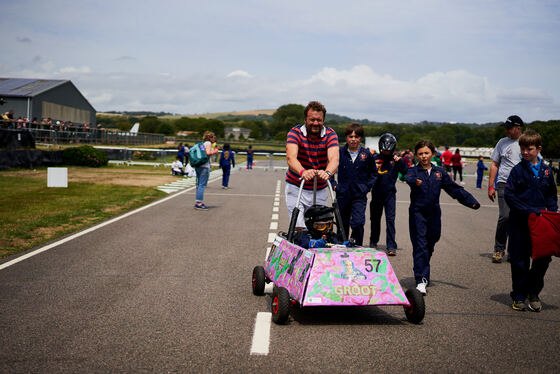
[{"x": 334, "y": 276}]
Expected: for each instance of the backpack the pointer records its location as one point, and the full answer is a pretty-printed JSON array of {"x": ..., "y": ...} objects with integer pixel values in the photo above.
[{"x": 197, "y": 155}]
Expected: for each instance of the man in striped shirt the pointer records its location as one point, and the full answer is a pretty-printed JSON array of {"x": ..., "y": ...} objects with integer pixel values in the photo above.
[{"x": 311, "y": 150}]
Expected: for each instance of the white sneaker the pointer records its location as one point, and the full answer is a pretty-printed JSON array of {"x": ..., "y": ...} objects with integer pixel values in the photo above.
[{"x": 422, "y": 286}]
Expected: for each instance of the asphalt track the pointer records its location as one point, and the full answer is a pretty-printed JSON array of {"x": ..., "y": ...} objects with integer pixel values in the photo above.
[{"x": 167, "y": 289}]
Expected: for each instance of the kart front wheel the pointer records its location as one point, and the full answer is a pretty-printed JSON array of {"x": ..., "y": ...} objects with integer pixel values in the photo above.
[
  {"x": 415, "y": 312},
  {"x": 280, "y": 305},
  {"x": 258, "y": 281}
]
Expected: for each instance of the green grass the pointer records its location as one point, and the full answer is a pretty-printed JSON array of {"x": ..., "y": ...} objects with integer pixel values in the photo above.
[{"x": 32, "y": 214}]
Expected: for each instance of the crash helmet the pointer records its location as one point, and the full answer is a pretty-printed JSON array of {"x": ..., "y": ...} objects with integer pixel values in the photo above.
[
  {"x": 319, "y": 219},
  {"x": 387, "y": 142}
]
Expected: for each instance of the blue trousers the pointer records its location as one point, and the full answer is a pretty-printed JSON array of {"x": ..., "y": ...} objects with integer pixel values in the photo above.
[
  {"x": 225, "y": 175},
  {"x": 249, "y": 162},
  {"x": 202, "y": 174},
  {"x": 479, "y": 175},
  {"x": 425, "y": 231},
  {"x": 353, "y": 212},
  {"x": 526, "y": 278},
  {"x": 376, "y": 211}
]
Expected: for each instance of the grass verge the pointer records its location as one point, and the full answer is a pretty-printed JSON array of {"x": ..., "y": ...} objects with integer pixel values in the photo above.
[{"x": 32, "y": 214}]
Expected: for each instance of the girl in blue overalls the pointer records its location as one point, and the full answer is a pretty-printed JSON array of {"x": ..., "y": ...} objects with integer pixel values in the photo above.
[
  {"x": 356, "y": 176},
  {"x": 426, "y": 182},
  {"x": 480, "y": 167},
  {"x": 227, "y": 160}
]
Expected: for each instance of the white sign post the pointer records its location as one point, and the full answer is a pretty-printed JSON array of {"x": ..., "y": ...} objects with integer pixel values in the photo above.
[{"x": 57, "y": 177}]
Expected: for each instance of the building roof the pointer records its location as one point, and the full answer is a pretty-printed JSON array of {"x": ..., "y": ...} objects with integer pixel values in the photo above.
[{"x": 27, "y": 87}]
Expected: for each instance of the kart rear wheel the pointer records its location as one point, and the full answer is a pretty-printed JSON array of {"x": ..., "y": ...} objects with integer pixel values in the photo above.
[
  {"x": 280, "y": 305},
  {"x": 258, "y": 281},
  {"x": 415, "y": 312}
]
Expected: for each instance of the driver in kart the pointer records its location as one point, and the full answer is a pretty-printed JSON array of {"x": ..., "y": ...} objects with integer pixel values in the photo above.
[{"x": 319, "y": 228}]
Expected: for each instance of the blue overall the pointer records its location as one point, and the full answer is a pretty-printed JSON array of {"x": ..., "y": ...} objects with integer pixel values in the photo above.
[
  {"x": 425, "y": 214},
  {"x": 383, "y": 196},
  {"x": 355, "y": 180},
  {"x": 225, "y": 164},
  {"x": 527, "y": 193},
  {"x": 249, "y": 159},
  {"x": 480, "y": 167}
]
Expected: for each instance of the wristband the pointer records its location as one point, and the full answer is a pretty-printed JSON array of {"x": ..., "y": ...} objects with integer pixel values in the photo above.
[
  {"x": 491, "y": 188},
  {"x": 301, "y": 172},
  {"x": 328, "y": 173}
]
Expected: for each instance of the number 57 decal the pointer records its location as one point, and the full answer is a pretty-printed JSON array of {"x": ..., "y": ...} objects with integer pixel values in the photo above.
[{"x": 370, "y": 266}]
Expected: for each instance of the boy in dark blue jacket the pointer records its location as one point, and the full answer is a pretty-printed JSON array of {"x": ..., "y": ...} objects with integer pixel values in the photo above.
[
  {"x": 426, "y": 182},
  {"x": 356, "y": 176},
  {"x": 227, "y": 160},
  {"x": 530, "y": 188},
  {"x": 480, "y": 167},
  {"x": 384, "y": 192}
]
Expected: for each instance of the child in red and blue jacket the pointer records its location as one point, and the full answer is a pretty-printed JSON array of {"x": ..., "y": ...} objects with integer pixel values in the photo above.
[
  {"x": 530, "y": 188},
  {"x": 426, "y": 182}
]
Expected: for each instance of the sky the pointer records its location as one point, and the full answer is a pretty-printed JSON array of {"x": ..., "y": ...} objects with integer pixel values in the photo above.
[{"x": 398, "y": 61}]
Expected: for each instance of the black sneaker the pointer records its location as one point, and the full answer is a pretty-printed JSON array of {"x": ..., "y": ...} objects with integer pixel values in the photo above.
[
  {"x": 518, "y": 305},
  {"x": 534, "y": 304},
  {"x": 200, "y": 206}
]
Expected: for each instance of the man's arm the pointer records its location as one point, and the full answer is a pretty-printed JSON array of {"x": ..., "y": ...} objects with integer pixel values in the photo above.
[
  {"x": 491, "y": 179},
  {"x": 295, "y": 165},
  {"x": 333, "y": 154}
]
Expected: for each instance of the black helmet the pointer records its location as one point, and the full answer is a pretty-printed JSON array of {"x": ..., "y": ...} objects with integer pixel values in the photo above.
[
  {"x": 387, "y": 142},
  {"x": 318, "y": 219}
]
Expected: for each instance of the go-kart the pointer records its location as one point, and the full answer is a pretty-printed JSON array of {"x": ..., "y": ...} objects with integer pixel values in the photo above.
[{"x": 340, "y": 275}]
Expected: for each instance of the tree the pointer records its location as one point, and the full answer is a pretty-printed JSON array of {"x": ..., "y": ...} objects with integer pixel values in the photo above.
[
  {"x": 149, "y": 124},
  {"x": 166, "y": 129}
]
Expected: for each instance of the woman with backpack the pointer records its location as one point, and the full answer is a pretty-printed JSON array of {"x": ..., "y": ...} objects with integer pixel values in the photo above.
[{"x": 203, "y": 170}]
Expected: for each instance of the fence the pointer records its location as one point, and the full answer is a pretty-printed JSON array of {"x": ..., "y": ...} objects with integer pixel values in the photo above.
[{"x": 78, "y": 135}]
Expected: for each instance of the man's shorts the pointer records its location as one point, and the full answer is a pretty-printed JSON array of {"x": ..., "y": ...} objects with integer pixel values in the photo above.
[
  {"x": 305, "y": 202},
  {"x": 447, "y": 168}
]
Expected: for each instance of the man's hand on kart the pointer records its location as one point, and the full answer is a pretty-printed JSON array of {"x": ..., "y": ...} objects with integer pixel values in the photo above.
[
  {"x": 308, "y": 174},
  {"x": 323, "y": 175}
]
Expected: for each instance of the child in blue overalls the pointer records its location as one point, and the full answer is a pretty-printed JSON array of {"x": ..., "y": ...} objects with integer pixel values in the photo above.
[
  {"x": 227, "y": 160},
  {"x": 384, "y": 192},
  {"x": 250, "y": 157},
  {"x": 530, "y": 188},
  {"x": 426, "y": 182},
  {"x": 356, "y": 176},
  {"x": 480, "y": 167}
]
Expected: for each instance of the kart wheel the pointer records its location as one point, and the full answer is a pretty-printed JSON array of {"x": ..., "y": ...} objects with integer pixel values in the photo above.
[
  {"x": 280, "y": 305},
  {"x": 258, "y": 281},
  {"x": 415, "y": 312}
]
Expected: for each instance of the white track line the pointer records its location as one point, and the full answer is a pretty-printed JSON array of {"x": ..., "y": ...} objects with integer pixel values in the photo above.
[{"x": 261, "y": 334}]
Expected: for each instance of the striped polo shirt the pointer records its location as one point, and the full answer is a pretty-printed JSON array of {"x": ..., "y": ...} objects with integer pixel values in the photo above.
[{"x": 311, "y": 155}]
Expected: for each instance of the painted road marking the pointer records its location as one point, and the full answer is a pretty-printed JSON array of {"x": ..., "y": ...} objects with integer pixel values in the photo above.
[{"x": 261, "y": 334}]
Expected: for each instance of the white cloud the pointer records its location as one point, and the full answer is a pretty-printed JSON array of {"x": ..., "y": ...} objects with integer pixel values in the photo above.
[
  {"x": 239, "y": 73},
  {"x": 74, "y": 70}
]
